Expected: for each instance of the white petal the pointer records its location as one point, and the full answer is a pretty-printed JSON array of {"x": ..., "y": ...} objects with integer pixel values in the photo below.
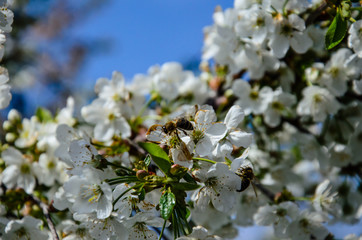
[
  {"x": 123, "y": 127},
  {"x": 104, "y": 208},
  {"x": 234, "y": 116},
  {"x": 10, "y": 175},
  {"x": 103, "y": 131},
  {"x": 279, "y": 45},
  {"x": 216, "y": 132},
  {"x": 12, "y": 156},
  {"x": 300, "y": 42},
  {"x": 27, "y": 182},
  {"x": 240, "y": 138},
  {"x": 204, "y": 147},
  {"x": 205, "y": 117}
]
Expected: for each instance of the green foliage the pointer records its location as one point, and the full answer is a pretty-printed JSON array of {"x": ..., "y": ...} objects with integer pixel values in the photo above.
[
  {"x": 159, "y": 156},
  {"x": 185, "y": 186},
  {"x": 336, "y": 32},
  {"x": 147, "y": 160},
  {"x": 44, "y": 115},
  {"x": 167, "y": 203}
]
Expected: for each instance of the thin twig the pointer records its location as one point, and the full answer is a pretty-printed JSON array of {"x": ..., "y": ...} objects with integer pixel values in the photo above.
[
  {"x": 316, "y": 13},
  {"x": 45, "y": 209},
  {"x": 295, "y": 122},
  {"x": 265, "y": 191},
  {"x": 135, "y": 145}
]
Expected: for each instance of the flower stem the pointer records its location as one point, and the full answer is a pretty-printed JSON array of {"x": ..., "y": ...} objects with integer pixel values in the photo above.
[
  {"x": 302, "y": 199},
  {"x": 129, "y": 189},
  {"x": 203, "y": 159},
  {"x": 122, "y": 167},
  {"x": 163, "y": 228}
]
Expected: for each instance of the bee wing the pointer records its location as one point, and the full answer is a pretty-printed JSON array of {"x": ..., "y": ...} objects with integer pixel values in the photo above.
[
  {"x": 185, "y": 151},
  {"x": 179, "y": 156},
  {"x": 254, "y": 188},
  {"x": 155, "y": 133},
  {"x": 245, "y": 153}
]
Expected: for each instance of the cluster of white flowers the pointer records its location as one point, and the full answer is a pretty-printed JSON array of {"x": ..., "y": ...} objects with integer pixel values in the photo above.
[
  {"x": 269, "y": 135},
  {"x": 6, "y": 19}
]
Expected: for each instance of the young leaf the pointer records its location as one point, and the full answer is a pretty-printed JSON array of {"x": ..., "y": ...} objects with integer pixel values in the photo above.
[
  {"x": 185, "y": 186},
  {"x": 158, "y": 156},
  {"x": 189, "y": 179},
  {"x": 167, "y": 203},
  {"x": 336, "y": 32},
  {"x": 43, "y": 115},
  {"x": 147, "y": 160}
]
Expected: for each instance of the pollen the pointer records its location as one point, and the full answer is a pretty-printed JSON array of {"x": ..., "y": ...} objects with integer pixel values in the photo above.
[
  {"x": 92, "y": 192},
  {"x": 254, "y": 95},
  {"x": 25, "y": 168}
]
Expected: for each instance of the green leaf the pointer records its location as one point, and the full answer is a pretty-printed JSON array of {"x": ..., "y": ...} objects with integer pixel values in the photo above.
[
  {"x": 336, "y": 32},
  {"x": 189, "y": 179},
  {"x": 185, "y": 186},
  {"x": 167, "y": 203},
  {"x": 158, "y": 156},
  {"x": 147, "y": 160},
  {"x": 188, "y": 213},
  {"x": 44, "y": 115},
  {"x": 142, "y": 195}
]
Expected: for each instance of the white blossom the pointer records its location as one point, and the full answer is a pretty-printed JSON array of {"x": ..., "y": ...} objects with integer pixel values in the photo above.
[
  {"x": 317, "y": 102},
  {"x": 289, "y": 32},
  {"x": 355, "y": 36},
  {"x": 324, "y": 199},
  {"x": 5, "y": 95},
  {"x": 220, "y": 187},
  {"x": 19, "y": 171},
  {"x": 26, "y": 228},
  {"x": 307, "y": 224},
  {"x": 91, "y": 194}
]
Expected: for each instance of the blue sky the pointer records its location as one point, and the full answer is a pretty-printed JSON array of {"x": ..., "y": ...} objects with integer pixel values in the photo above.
[{"x": 143, "y": 33}]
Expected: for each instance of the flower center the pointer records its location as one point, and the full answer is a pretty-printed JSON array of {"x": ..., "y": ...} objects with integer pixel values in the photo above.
[
  {"x": 197, "y": 135},
  {"x": 254, "y": 95},
  {"x": 286, "y": 29},
  {"x": 25, "y": 168},
  {"x": 92, "y": 193},
  {"x": 51, "y": 165},
  {"x": 21, "y": 232},
  {"x": 317, "y": 98},
  {"x": 211, "y": 182},
  {"x": 81, "y": 232},
  {"x": 111, "y": 117},
  {"x": 281, "y": 212},
  {"x": 303, "y": 223},
  {"x": 334, "y": 71},
  {"x": 259, "y": 22},
  {"x": 277, "y": 105}
]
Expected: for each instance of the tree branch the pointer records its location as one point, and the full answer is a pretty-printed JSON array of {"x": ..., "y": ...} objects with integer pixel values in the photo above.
[
  {"x": 265, "y": 191},
  {"x": 316, "y": 13},
  {"x": 45, "y": 208}
]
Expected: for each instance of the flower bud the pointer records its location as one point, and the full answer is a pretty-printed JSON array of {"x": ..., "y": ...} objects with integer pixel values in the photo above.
[
  {"x": 10, "y": 137},
  {"x": 14, "y": 115},
  {"x": 178, "y": 170},
  {"x": 7, "y": 125},
  {"x": 141, "y": 174}
]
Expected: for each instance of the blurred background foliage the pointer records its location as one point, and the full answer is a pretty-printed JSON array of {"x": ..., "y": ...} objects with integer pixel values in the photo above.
[
  {"x": 58, "y": 48},
  {"x": 43, "y": 59}
]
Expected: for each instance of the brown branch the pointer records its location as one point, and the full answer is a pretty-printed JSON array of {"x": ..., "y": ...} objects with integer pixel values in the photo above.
[
  {"x": 45, "y": 208},
  {"x": 295, "y": 122},
  {"x": 265, "y": 191},
  {"x": 316, "y": 13}
]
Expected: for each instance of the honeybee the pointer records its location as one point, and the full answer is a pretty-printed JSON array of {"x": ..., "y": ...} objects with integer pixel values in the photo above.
[
  {"x": 181, "y": 124},
  {"x": 172, "y": 129},
  {"x": 247, "y": 176}
]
